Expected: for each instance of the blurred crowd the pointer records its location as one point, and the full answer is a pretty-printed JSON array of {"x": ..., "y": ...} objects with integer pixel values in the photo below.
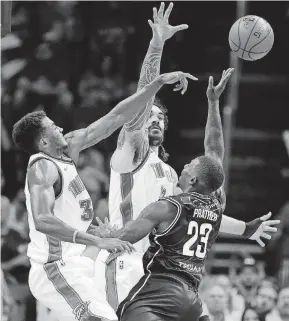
[
  {"x": 250, "y": 296},
  {"x": 75, "y": 59}
]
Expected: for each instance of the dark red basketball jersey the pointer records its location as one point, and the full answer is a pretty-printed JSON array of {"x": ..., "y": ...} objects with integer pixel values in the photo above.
[{"x": 183, "y": 247}]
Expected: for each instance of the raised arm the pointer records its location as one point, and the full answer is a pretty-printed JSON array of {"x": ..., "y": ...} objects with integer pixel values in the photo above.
[
  {"x": 105, "y": 126},
  {"x": 133, "y": 139},
  {"x": 214, "y": 140},
  {"x": 41, "y": 178}
]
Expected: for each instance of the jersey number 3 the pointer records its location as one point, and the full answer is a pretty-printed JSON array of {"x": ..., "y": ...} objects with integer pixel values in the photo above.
[
  {"x": 87, "y": 214},
  {"x": 203, "y": 232}
]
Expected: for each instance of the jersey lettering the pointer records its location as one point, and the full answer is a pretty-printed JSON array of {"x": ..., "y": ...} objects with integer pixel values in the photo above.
[
  {"x": 204, "y": 232},
  {"x": 76, "y": 186},
  {"x": 87, "y": 209},
  {"x": 158, "y": 170}
]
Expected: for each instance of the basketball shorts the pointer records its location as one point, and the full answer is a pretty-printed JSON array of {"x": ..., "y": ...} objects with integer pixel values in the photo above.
[
  {"x": 117, "y": 275},
  {"x": 70, "y": 290},
  {"x": 161, "y": 297}
]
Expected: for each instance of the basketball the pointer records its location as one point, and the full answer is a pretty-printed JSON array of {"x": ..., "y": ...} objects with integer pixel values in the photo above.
[{"x": 251, "y": 38}]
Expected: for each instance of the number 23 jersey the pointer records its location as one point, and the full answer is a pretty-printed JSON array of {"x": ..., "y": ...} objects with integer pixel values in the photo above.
[
  {"x": 183, "y": 247},
  {"x": 72, "y": 205}
]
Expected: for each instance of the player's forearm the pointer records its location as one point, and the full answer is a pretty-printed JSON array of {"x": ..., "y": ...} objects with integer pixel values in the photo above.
[
  {"x": 151, "y": 65},
  {"x": 214, "y": 140},
  {"x": 127, "y": 108},
  {"x": 123, "y": 112},
  {"x": 232, "y": 226},
  {"x": 150, "y": 71},
  {"x": 54, "y": 227},
  {"x": 133, "y": 232}
]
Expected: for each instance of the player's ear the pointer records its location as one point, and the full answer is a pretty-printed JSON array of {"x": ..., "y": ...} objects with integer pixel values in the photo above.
[
  {"x": 42, "y": 142},
  {"x": 193, "y": 181}
]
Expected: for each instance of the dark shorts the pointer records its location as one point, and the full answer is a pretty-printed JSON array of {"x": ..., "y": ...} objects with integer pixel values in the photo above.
[{"x": 161, "y": 297}]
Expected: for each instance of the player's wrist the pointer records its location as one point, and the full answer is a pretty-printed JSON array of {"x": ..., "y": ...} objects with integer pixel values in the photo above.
[
  {"x": 156, "y": 43},
  {"x": 213, "y": 101},
  {"x": 251, "y": 227},
  {"x": 158, "y": 81}
]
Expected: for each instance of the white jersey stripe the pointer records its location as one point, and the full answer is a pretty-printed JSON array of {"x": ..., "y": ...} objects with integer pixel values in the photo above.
[{"x": 78, "y": 306}]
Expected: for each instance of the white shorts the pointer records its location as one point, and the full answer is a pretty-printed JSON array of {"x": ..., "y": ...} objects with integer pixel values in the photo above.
[
  {"x": 70, "y": 289},
  {"x": 117, "y": 277}
]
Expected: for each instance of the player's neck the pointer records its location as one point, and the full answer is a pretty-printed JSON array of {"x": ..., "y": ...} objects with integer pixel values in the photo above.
[
  {"x": 53, "y": 153},
  {"x": 155, "y": 149}
]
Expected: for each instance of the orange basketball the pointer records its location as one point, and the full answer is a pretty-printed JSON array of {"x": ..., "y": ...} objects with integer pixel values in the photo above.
[{"x": 251, "y": 38}]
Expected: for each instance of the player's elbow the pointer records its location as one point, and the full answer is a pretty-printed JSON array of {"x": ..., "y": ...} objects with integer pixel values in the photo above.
[
  {"x": 39, "y": 226},
  {"x": 42, "y": 223},
  {"x": 116, "y": 120}
]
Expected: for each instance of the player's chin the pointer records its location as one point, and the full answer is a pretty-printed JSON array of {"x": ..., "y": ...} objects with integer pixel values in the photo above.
[{"x": 156, "y": 138}]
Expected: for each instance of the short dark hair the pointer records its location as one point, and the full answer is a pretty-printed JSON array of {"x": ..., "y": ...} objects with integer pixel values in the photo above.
[
  {"x": 26, "y": 132},
  {"x": 210, "y": 172}
]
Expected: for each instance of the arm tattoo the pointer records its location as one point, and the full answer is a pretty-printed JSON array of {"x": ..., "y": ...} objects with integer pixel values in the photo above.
[{"x": 150, "y": 70}]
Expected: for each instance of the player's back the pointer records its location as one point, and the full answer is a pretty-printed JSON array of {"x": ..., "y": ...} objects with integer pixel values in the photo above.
[
  {"x": 182, "y": 248},
  {"x": 72, "y": 205},
  {"x": 131, "y": 192}
]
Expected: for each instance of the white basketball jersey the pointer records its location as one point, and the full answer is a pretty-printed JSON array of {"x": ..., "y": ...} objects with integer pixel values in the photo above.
[
  {"x": 73, "y": 206},
  {"x": 131, "y": 192}
]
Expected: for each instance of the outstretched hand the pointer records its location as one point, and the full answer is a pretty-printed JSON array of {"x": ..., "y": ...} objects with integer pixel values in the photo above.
[
  {"x": 214, "y": 92},
  {"x": 263, "y": 226},
  {"x": 177, "y": 76},
  {"x": 161, "y": 28}
]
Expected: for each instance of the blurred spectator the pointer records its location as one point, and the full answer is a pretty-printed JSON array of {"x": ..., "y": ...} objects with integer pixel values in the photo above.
[
  {"x": 265, "y": 300},
  {"x": 215, "y": 299},
  {"x": 282, "y": 309},
  {"x": 236, "y": 302},
  {"x": 248, "y": 280},
  {"x": 250, "y": 315}
]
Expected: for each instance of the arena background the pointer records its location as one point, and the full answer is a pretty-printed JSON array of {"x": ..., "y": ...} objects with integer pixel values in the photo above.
[{"x": 77, "y": 60}]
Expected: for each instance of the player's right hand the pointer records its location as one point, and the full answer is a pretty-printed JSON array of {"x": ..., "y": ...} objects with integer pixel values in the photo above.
[
  {"x": 261, "y": 228},
  {"x": 214, "y": 92},
  {"x": 115, "y": 245},
  {"x": 161, "y": 28},
  {"x": 177, "y": 76}
]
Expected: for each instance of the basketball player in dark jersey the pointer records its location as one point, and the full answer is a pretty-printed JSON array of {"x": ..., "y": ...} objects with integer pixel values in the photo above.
[{"x": 182, "y": 230}]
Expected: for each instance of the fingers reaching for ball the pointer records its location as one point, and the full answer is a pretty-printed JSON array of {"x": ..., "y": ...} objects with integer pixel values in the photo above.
[
  {"x": 214, "y": 92},
  {"x": 175, "y": 77}
]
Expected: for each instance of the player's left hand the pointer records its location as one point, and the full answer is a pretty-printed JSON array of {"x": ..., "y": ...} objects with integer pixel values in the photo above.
[
  {"x": 259, "y": 228},
  {"x": 177, "y": 76},
  {"x": 214, "y": 92},
  {"x": 161, "y": 28},
  {"x": 103, "y": 229}
]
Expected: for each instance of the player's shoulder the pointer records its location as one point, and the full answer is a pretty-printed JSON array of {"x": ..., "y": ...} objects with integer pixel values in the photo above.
[
  {"x": 174, "y": 200},
  {"x": 219, "y": 197},
  {"x": 42, "y": 172},
  {"x": 168, "y": 204}
]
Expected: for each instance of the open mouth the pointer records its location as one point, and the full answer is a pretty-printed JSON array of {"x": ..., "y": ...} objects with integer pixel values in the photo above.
[{"x": 155, "y": 128}]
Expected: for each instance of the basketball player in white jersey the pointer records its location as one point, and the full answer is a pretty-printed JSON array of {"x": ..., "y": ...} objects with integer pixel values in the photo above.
[
  {"x": 138, "y": 175},
  {"x": 60, "y": 209}
]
